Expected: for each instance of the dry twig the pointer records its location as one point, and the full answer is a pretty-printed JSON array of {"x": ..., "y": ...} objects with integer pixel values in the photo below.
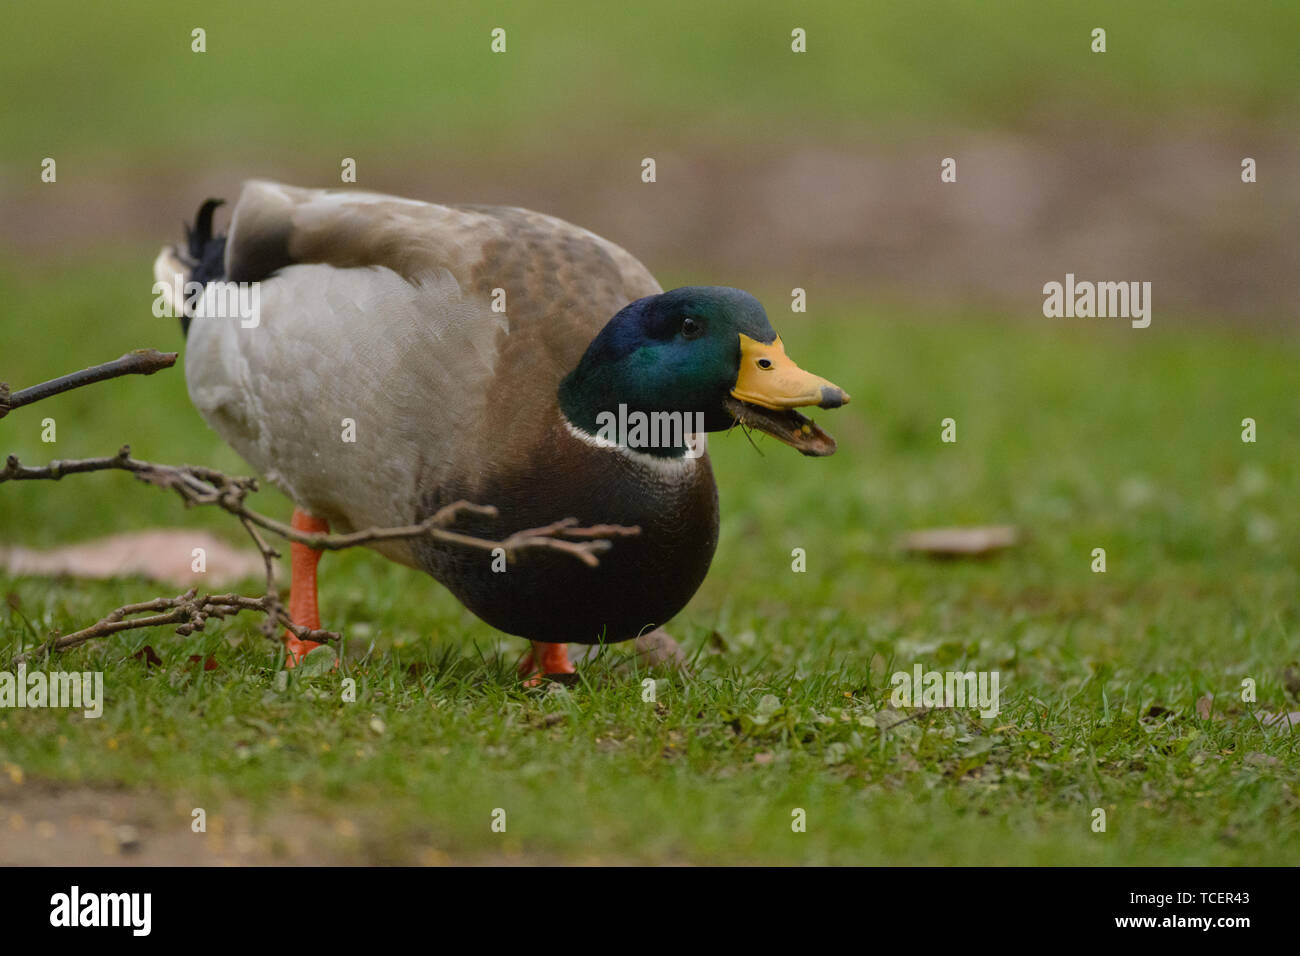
[
  {"x": 139, "y": 362},
  {"x": 188, "y": 611},
  {"x": 198, "y": 485}
]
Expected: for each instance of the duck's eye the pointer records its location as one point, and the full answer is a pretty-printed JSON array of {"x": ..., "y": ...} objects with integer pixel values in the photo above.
[
  {"x": 765, "y": 363},
  {"x": 691, "y": 328}
]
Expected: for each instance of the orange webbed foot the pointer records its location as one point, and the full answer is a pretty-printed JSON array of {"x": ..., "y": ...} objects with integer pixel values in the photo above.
[{"x": 545, "y": 659}]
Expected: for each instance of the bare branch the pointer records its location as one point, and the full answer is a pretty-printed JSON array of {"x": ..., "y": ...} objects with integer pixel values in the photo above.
[
  {"x": 197, "y": 485},
  {"x": 139, "y": 362},
  {"x": 189, "y": 612},
  {"x": 206, "y": 486}
]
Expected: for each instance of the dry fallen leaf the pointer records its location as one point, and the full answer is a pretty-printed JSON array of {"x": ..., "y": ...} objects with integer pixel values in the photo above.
[
  {"x": 960, "y": 542},
  {"x": 652, "y": 649},
  {"x": 149, "y": 656},
  {"x": 160, "y": 554},
  {"x": 658, "y": 647},
  {"x": 1204, "y": 706}
]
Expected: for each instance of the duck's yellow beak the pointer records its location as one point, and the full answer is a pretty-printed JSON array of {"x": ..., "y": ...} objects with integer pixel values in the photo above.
[
  {"x": 770, "y": 379},
  {"x": 769, "y": 387}
]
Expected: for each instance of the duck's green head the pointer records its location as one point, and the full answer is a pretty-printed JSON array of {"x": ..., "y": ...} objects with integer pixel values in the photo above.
[{"x": 707, "y": 352}]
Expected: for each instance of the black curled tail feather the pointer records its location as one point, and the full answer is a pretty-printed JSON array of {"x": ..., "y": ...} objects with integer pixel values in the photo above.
[{"x": 206, "y": 252}]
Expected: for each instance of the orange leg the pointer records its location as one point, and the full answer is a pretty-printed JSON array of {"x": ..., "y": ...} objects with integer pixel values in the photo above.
[
  {"x": 553, "y": 658},
  {"x": 303, "y": 609}
]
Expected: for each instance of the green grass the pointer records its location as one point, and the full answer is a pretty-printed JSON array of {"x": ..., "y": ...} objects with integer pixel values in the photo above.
[
  {"x": 1083, "y": 433},
  {"x": 103, "y": 86}
]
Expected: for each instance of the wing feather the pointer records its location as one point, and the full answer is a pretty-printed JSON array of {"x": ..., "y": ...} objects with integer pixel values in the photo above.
[{"x": 379, "y": 310}]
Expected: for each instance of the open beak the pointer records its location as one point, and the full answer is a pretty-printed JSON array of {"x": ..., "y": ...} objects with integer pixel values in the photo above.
[{"x": 770, "y": 387}]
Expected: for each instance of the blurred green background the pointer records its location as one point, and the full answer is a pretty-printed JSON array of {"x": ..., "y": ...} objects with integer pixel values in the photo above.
[
  {"x": 104, "y": 84},
  {"x": 816, "y": 167},
  {"x": 775, "y": 171}
]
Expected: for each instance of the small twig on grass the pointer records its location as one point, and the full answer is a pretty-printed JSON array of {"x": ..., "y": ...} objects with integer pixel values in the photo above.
[
  {"x": 139, "y": 362},
  {"x": 188, "y": 611}
]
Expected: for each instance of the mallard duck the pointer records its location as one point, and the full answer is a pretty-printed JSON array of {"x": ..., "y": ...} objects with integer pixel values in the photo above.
[{"x": 478, "y": 353}]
